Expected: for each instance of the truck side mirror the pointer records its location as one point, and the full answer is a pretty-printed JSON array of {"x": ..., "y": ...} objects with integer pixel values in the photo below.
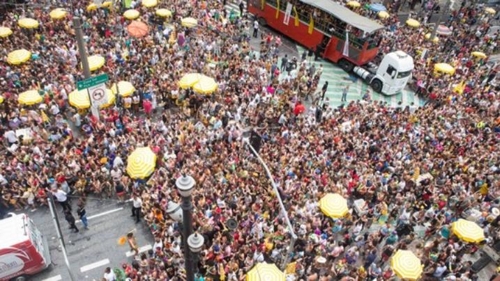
[{"x": 393, "y": 73}]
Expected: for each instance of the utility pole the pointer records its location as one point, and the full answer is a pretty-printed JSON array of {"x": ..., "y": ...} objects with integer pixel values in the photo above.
[
  {"x": 77, "y": 25},
  {"x": 284, "y": 212},
  {"x": 59, "y": 236},
  {"x": 445, "y": 10}
]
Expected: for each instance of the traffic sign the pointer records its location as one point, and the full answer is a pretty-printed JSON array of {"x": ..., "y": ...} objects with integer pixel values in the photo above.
[
  {"x": 98, "y": 94},
  {"x": 91, "y": 82}
]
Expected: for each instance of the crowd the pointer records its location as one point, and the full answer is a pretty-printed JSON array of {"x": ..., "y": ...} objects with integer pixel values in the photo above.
[{"x": 414, "y": 170}]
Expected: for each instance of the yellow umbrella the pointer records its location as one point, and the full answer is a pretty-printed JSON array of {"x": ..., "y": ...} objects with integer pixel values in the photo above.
[
  {"x": 30, "y": 97},
  {"x": 110, "y": 99},
  {"x": 189, "y": 22},
  {"x": 468, "y": 231},
  {"x": 125, "y": 89},
  {"x": 1, "y": 99},
  {"x": 428, "y": 36},
  {"x": 490, "y": 11},
  {"x": 106, "y": 4},
  {"x": 383, "y": 14},
  {"x": 80, "y": 99},
  {"x": 480, "y": 55},
  {"x": 354, "y": 4},
  {"x": 163, "y": 13},
  {"x": 5, "y": 31},
  {"x": 149, "y": 3},
  {"x": 445, "y": 68},
  {"x": 28, "y": 23},
  {"x": 206, "y": 85},
  {"x": 96, "y": 62},
  {"x": 333, "y": 205},
  {"x": 18, "y": 56},
  {"x": 141, "y": 163},
  {"x": 188, "y": 80},
  {"x": 131, "y": 14},
  {"x": 406, "y": 265},
  {"x": 265, "y": 272},
  {"x": 58, "y": 14},
  {"x": 92, "y": 7},
  {"x": 413, "y": 23}
]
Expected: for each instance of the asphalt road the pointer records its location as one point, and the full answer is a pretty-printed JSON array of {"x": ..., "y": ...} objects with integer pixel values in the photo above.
[{"x": 90, "y": 251}]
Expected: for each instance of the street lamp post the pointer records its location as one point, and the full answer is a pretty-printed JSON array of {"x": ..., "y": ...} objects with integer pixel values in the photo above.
[{"x": 185, "y": 185}]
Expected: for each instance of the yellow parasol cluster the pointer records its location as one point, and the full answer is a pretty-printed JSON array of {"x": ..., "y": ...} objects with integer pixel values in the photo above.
[
  {"x": 265, "y": 272},
  {"x": 149, "y": 3},
  {"x": 5, "y": 31},
  {"x": 81, "y": 100},
  {"x": 30, "y": 97},
  {"x": 353, "y": 4},
  {"x": 490, "y": 11},
  {"x": 28, "y": 23},
  {"x": 163, "y": 13},
  {"x": 141, "y": 163},
  {"x": 333, "y": 205},
  {"x": 96, "y": 62},
  {"x": 413, "y": 23},
  {"x": 131, "y": 14},
  {"x": 468, "y": 231},
  {"x": 125, "y": 89},
  {"x": 18, "y": 56},
  {"x": 189, "y": 22},
  {"x": 428, "y": 37},
  {"x": 383, "y": 14},
  {"x": 406, "y": 265},
  {"x": 58, "y": 14},
  {"x": 200, "y": 83},
  {"x": 444, "y": 68},
  {"x": 480, "y": 55}
]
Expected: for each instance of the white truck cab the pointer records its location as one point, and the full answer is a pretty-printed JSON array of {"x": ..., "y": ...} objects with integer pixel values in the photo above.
[{"x": 391, "y": 76}]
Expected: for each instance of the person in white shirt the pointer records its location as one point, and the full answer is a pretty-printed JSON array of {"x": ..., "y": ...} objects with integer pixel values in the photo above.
[
  {"x": 136, "y": 207},
  {"x": 62, "y": 198},
  {"x": 11, "y": 137},
  {"x": 109, "y": 275}
]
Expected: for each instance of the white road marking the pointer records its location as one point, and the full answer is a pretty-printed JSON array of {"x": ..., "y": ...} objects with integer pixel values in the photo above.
[
  {"x": 102, "y": 214},
  {"x": 141, "y": 250},
  {"x": 94, "y": 265},
  {"x": 54, "y": 278}
]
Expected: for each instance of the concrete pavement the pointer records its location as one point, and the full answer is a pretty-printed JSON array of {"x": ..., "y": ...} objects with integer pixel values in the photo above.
[{"x": 91, "y": 251}]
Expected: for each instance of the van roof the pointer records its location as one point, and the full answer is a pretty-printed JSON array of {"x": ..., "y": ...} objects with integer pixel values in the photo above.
[{"x": 12, "y": 230}]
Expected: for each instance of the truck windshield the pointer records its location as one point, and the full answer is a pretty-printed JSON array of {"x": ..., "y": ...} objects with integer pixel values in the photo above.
[{"x": 403, "y": 74}]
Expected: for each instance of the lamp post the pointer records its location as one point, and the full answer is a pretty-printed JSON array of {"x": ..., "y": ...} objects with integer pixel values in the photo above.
[{"x": 185, "y": 185}]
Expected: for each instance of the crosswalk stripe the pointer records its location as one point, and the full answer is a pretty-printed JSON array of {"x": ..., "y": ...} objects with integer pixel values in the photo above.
[
  {"x": 54, "y": 278},
  {"x": 141, "y": 250},
  {"x": 94, "y": 265}
]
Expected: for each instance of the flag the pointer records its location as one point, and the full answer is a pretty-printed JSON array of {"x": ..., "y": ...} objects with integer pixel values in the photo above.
[
  {"x": 127, "y": 3},
  {"x": 296, "y": 15},
  {"x": 459, "y": 88},
  {"x": 262, "y": 4},
  {"x": 277, "y": 8},
  {"x": 345, "y": 52},
  {"x": 311, "y": 24}
]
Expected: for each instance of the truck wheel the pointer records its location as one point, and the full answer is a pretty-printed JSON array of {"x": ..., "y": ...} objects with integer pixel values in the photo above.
[
  {"x": 346, "y": 65},
  {"x": 377, "y": 85},
  {"x": 262, "y": 21},
  {"x": 20, "y": 278}
]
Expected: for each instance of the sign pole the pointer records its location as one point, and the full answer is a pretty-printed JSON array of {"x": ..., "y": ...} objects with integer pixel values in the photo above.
[{"x": 77, "y": 25}]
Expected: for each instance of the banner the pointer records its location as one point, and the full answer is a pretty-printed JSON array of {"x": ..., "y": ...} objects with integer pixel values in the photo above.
[
  {"x": 296, "y": 16},
  {"x": 288, "y": 13},
  {"x": 262, "y": 4},
  {"x": 277, "y": 8},
  {"x": 345, "y": 52},
  {"x": 311, "y": 24}
]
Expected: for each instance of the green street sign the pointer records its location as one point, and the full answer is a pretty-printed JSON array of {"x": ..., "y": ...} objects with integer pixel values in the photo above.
[{"x": 91, "y": 82}]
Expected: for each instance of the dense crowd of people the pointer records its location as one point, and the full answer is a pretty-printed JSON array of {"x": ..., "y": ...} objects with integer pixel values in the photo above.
[{"x": 414, "y": 170}]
